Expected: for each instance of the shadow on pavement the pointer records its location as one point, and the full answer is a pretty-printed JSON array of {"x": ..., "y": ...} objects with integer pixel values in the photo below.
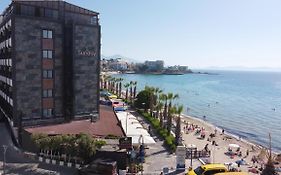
[{"x": 176, "y": 172}]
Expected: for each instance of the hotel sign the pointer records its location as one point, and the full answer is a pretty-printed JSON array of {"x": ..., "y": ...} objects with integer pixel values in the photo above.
[{"x": 88, "y": 53}]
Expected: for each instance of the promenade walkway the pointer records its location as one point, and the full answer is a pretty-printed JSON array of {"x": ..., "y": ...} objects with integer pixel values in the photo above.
[{"x": 157, "y": 157}]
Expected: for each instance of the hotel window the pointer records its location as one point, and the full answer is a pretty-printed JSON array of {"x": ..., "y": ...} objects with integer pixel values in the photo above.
[
  {"x": 47, "y": 34},
  {"x": 47, "y": 93},
  {"x": 47, "y": 112},
  {"x": 51, "y": 13},
  {"x": 47, "y": 73},
  {"x": 48, "y": 54},
  {"x": 94, "y": 20},
  {"x": 27, "y": 10}
]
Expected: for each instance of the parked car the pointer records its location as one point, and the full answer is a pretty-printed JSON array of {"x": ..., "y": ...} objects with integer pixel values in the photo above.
[{"x": 208, "y": 169}]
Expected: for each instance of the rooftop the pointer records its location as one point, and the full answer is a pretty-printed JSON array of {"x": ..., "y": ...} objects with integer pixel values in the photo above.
[{"x": 106, "y": 125}]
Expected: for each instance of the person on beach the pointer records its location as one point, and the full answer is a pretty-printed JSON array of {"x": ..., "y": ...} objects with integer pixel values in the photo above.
[
  {"x": 240, "y": 154},
  {"x": 206, "y": 147},
  {"x": 222, "y": 131},
  {"x": 253, "y": 148},
  {"x": 247, "y": 153},
  {"x": 254, "y": 160}
]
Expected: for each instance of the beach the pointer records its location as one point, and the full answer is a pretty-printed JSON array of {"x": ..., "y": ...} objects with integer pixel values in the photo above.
[{"x": 222, "y": 142}]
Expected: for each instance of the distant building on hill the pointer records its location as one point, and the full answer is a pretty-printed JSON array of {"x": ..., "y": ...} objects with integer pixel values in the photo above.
[
  {"x": 177, "y": 69},
  {"x": 117, "y": 64},
  {"x": 154, "y": 66}
]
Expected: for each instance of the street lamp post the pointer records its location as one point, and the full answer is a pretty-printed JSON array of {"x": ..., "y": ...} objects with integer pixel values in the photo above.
[
  {"x": 127, "y": 123},
  {"x": 191, "y": 148},
  {"x": 5, "y": 147},
  {"x": 214, "y": 153}
]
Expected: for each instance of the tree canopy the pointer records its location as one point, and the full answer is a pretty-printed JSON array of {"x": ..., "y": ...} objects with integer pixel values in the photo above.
[{"x": 143, "y": 99}]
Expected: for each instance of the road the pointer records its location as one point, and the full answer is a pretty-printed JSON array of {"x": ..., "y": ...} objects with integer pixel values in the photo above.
[{"x": 16, "y": 163}]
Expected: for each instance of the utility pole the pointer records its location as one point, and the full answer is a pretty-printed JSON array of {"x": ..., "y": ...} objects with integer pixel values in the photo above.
[
  {"x": 5, "y": 147},
  {"x": 214, "y": 148},
  {"x": 126, "y": 123}
]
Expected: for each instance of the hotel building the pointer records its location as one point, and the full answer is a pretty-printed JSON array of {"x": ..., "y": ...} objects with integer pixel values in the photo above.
[{"x": 49, "y": 62}]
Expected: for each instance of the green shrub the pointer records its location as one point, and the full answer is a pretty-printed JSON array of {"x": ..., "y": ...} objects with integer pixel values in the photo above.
[
  {"x": 100, "y": 143},
  {"x": 111, "y": 136},
  {"x": 169, "y": 140},
  {"x": 81, "y": 145}
]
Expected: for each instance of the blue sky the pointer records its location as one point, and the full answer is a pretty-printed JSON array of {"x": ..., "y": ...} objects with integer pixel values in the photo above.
[{"x": 197, "y": 33}]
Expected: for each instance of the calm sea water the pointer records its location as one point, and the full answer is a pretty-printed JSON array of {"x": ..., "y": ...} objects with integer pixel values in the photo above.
[{"x": 247, "y": 104}]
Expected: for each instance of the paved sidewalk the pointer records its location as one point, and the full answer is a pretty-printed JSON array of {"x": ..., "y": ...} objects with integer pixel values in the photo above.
[{"x": 157, "y": 157}]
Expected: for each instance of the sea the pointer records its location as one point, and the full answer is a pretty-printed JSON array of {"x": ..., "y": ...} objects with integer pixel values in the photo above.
[{"x": 243, "y": 103}]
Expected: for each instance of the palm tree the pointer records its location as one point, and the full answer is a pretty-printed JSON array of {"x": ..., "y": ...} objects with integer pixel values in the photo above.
[
  {"x": 159, "y": 113},
  {"x": 113, "y": 81},
  {"x": 106, "y": 82},
  {"x": 171, "y": 112},
  {"x": 158, "y": 91},
  {"x": 164, "y": 99},
  {"x": 151, "y": 91},
  {"x": 127, "y": 85},
  {"x": 178, "y": 126},
  {"x": 135, "y": 89},
  {"x": 120, "y": 87},
  {"x": 117, "y": 81},
  {"x": 101, "y": 80},
  {"x": 131, "y": 90},
  {"x": 170, "y": 97},
  {"x": 269, "y": 166}
]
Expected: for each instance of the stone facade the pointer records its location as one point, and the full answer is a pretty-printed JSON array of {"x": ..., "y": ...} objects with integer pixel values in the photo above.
[
  {"x": 28, "y": 66},
  {"x": 86, "y": 69},
  {"x": 64, "y": 84}
]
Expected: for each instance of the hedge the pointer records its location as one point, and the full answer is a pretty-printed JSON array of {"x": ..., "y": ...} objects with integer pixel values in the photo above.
[{"x": 170, "y": 140}]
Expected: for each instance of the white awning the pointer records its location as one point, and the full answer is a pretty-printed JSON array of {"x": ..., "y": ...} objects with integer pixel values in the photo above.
[
  {"x": 134, "y": 129},
  {"x": 233, "y": 146}
]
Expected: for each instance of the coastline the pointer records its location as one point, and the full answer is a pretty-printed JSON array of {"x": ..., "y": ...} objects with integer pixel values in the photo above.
[
  {"x": 211, "y": 126},
  {"x": 257, "y": 135}
]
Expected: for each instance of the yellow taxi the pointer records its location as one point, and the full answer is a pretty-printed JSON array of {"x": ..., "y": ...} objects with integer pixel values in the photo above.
[
  {"x": 208, "y": 169},
  {"x": 232, "y": 173}
]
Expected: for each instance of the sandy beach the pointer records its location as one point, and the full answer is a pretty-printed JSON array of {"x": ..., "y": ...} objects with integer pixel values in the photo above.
[{"x": 222, "y": 141}]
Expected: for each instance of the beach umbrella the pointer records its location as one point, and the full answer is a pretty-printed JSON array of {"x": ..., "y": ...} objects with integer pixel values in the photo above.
[
  {"x": 233, "y": 146},
  {"x": 191, "y": 146}
]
